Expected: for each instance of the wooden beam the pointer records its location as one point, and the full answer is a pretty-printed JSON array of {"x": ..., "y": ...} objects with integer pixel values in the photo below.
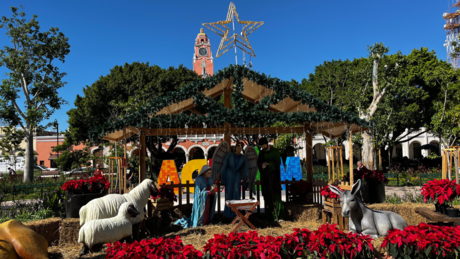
[
  {"x": 142, "y": 158},
  {"x": 222, "y": 130},
  {"x": 350, "y": 158},
  {"x": 228, "y": 105},
  {"x": 125, "y": 159},
  {"x": 309, "y": 156},
  {"x": 195, "y": 111}
]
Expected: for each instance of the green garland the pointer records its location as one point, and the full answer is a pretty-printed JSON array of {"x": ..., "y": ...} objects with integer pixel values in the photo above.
[{"x": 217, "y": 114}]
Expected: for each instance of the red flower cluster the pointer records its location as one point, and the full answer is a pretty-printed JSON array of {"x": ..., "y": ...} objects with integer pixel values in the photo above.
[
  {"x": 243, "y": 245},
  {"x": 440, "y": 190},
  {"x": 95, "y": 184},
  {"x": 368, "y": 175},
  {"x": 165, "y": 193},
  {"x": 155, "y": 248},
  {"x": 328, "y": 194},
  {"x": 326, "y": 242},
  {"x": 299, "y": 187},
  {"x": 423, "y": 241}
]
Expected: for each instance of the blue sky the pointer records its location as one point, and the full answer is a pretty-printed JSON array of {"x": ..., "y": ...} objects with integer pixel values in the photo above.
[{"x": 296, "y": 36}]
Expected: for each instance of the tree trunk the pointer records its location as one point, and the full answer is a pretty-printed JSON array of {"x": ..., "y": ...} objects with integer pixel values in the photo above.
[
  {"x": 29, "y": 159},
  {"x": 368, "y": 151}
]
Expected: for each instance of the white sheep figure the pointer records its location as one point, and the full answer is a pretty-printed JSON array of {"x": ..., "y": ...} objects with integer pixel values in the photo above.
[
  {"x": 101, "y": 231},
  {"x": 107, "y": 206}
]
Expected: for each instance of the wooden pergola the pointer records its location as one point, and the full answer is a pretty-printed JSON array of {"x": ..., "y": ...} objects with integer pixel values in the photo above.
[{"x": 253, "y": 92}]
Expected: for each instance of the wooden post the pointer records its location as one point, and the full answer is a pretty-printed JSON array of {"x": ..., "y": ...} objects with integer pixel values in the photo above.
[
  {"x": 456, "y": 165},
  {"x": 328, "y": 165},
  {"x": 309, "y": 156},
  {"x": 341, "y": 162},
  {"x": 126, "y": 161},
  {"x": 142, "y": 158},
  {"x": 444, "y": 164},
  {"x": 350, "y": 159},
  {"x": 188, "y": 192},
  {"x": 228, "y": 105},
  {"x": 333, "y": 164}
]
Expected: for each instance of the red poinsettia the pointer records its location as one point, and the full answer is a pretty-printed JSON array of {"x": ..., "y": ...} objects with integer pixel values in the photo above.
[
  {"x": 440, "y": 191},
  {"x": 95, "y": 184},
  {"x": 427, "y": 241},
  {"x": 327, "y": 193},
  {"x": 166, "y": 193},
  {"x": 153, "y": 248}
]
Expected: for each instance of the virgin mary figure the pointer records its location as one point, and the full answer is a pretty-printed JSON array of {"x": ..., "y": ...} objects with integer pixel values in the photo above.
[
  {"x": 204, "y": 201},
  {"x": 233, "y": 171}
]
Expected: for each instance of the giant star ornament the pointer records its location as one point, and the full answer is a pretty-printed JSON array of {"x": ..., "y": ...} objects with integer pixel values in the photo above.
[{"x": 241, "y": 42}]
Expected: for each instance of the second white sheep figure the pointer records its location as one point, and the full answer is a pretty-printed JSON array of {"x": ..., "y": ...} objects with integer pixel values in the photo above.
[{"x": 101, "y": 231}]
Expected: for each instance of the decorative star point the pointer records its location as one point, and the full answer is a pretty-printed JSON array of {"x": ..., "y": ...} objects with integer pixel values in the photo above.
[{"x": 241, "y": 42}]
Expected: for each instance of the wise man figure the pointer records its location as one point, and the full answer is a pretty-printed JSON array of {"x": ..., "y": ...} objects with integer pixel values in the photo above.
[{"x": 269, "y": 162}]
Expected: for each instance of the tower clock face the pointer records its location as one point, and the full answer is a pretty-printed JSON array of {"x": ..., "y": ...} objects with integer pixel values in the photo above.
[{"x": 203, "y": 51}]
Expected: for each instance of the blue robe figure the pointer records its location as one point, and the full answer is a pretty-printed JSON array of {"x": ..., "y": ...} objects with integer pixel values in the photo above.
[
  {"x": 204, "y": 201},
  {"x": 234, "y": 170}
]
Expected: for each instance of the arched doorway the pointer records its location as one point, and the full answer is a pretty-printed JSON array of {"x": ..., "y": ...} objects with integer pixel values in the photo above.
[
  {"x": 196, "y": 153},
  {"x": 415, "y": 152},
  {"x": 319, "y": 154},
  {"x": 211, "y": 151},
  {"x": 398, "y": 151},
  {"x": 436, "y": 150}
]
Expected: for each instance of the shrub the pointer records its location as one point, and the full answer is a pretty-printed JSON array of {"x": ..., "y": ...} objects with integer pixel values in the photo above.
[
  {"x": 423, "y": 241},
  {"x": 24, "y": 211}
]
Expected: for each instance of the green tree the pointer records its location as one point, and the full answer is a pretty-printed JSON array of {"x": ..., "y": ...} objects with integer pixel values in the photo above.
[
  {"x": 392, "y": 90},
  {"x": 446, "y": 120},
  {"x": 10, "y": 143},
  {"x": 122, "y": 91},
  {"x": 71, "y": 159},
  {"x": 30, "y": 60}
]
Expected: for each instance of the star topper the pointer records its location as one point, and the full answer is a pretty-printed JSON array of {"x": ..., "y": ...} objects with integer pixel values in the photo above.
[{"x": 235, "y": 40}]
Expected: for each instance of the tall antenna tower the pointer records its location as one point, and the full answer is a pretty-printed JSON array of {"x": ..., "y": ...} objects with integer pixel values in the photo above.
[{"x": 452, "y": 28}]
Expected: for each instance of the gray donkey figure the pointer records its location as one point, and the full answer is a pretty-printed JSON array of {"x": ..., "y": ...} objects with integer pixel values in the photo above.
[{"x": 364, "y": 220}]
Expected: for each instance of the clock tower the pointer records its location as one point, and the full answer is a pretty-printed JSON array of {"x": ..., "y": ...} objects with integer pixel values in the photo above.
[{"x": 202, "y": 59}]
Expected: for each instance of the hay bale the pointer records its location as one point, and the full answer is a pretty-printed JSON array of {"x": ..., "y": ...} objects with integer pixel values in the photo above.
[
  {"x": 405, "y": 210},
  {"x": 48, "y": 228},
  {"x": 302, "y": 212},
  {"x": 69, "y": 231}
]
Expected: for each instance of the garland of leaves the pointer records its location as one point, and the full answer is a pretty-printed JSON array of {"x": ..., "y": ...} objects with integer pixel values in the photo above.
[{"x": 217, "y": 115}]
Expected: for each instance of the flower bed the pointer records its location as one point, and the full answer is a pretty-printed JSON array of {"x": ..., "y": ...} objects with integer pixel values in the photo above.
[
  {"x": 153, "y": 248},
  {"x": 423, "y": 241},
  {"x": 326, "y": 242}
]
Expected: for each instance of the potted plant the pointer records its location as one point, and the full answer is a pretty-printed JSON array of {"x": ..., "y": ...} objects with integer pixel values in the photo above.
[
  {"x": 331, "y": 199},
  {"x": 442, "y": 193},
  {"x": 373, "y": 190},
  {"x": 165, "y": 198},
  {"x": 299, "y": 190},
  {"x": 80, "y": 192}
]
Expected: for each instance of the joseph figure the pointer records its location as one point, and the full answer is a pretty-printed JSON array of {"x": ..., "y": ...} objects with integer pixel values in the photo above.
[{"x": 269, "y": 162}]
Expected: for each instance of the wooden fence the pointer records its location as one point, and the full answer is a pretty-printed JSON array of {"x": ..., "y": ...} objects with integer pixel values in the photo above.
[{"x": 317, "y": 198}]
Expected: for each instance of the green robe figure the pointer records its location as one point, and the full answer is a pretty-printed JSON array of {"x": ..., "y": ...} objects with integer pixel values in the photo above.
[{"x": 270, "y": 178}]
